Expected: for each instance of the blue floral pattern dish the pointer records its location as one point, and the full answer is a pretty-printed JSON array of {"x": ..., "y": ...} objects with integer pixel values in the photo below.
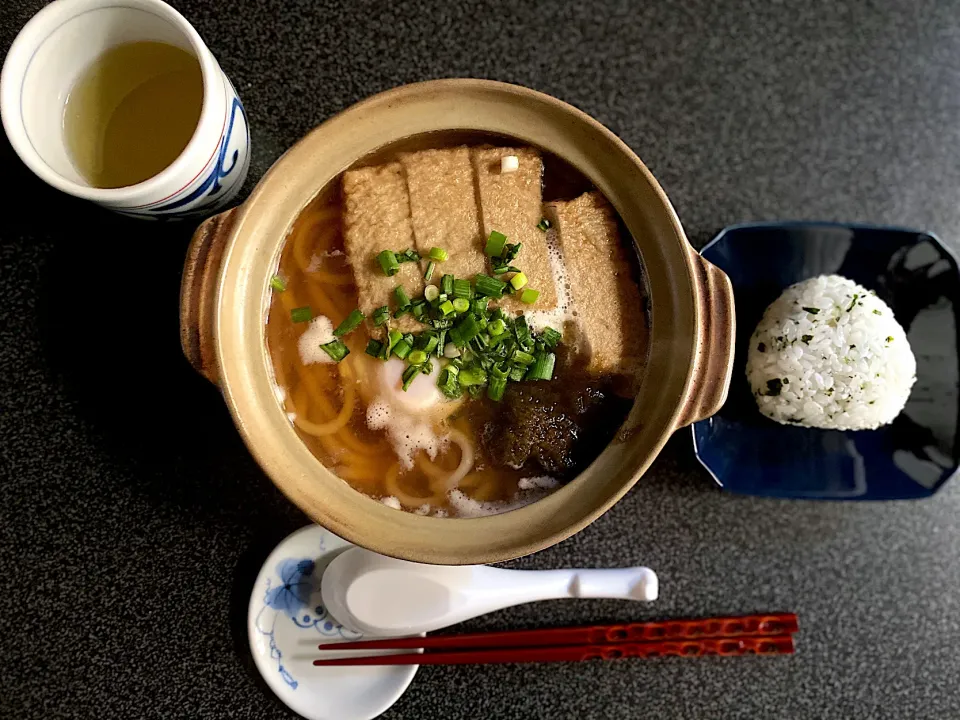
[
  {"x": 286, "y": 623},
  {"x": 910, "y": 458}
]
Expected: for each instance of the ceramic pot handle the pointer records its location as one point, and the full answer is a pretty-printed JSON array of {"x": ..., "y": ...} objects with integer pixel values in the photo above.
[
  {"x": 714, "y": 361},
  {"x": 198, "y": 291}
]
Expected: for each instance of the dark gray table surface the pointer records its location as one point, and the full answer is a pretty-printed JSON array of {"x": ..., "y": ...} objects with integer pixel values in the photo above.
[{"x": 133, "y": 520}]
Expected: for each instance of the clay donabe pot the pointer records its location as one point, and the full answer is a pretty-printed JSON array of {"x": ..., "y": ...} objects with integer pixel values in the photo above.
[{"x": 226, "y": 293}]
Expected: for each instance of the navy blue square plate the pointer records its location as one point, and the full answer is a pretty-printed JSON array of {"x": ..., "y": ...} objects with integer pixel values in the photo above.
[{"x": 910, "y": 458}]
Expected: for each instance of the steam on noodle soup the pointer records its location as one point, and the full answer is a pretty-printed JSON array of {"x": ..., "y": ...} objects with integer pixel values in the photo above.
[{"x": 460, "y": 439}]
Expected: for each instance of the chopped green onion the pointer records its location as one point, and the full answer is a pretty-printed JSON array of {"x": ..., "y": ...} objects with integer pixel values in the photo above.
[
  {"x": 479, "y": 305},
  {"x": 811, "y": 310},
  {"x": 495, "y": 244},
  {"x": 432, "y": 342},
  {"x": 461, "y": 305},
  {"x": 517, "y": 373},
  {"x": 392, "y": 339},
  {"x": 374, "y": 348},
  {"x": 448, "y": 383},
  {"x": 522, "y": 331},
  {"x": 336, "y": 349},
  {"x": 488, "y": 286},
  {"x": 446, "y": 284},
  {"x": 417, "y": 357},
  {"x": 496, "y": 388},
  {"x": 472, "y": 376},
  {"x": 402, "y": 311},
  {"x": 428, "y": 275},
  {"x": 511, "y": 252},
  {"x": 502, "y": 343},
  {"x": 497, "y": 327},
  {"x": 451, "y": 351},
  {"x": 501, "y": 269},
  {"x": 550, "y": 337},
  {"x": 467, "y": 329},
  {"x": 403, "y": 300},
  {"x": 542, "y": 368},
  {"x": 462, "y": 289},
  {"x": 410, "y": 255},
  {"x": 524, "y": 358},
  {"x": 301, "y": 314},
  {"x": 350, "y": 323},
  {"x": 451, "y": 389},
  {"x": 442, "y": 324},
  {"x": 388, "y": 263},
  {"x": 529, "y": 296},
  {"x": 419, "y": 310},
  {"x": 446, "y": 308},
  {"x": 402, "y": 349},
  {"x": 518, "y": 281},
  {"x": 431, "y": 292},
  {"x": 409, "y": 375},
  {"x": 278, "y": 283},
  {"x": 438, "y": 254},
  {"x": 543, "y": 225},
  {"x": 381, "y": 315}
]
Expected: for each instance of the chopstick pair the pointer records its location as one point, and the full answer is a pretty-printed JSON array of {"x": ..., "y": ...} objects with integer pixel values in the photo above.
[{"x": 728, "y": 636}]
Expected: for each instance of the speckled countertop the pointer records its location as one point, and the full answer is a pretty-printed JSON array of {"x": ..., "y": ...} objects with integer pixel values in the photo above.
[{"x": 132, "y": 519}]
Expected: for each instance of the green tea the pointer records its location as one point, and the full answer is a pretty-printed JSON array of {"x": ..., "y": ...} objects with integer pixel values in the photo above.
[{"x": 132, "y": 112}]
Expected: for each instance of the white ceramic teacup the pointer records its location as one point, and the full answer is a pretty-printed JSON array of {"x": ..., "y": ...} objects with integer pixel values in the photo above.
[{"x": 45, "y": 61}]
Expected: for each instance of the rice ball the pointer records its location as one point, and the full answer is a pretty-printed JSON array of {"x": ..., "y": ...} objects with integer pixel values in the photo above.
[{"x": 828, "y": 353}]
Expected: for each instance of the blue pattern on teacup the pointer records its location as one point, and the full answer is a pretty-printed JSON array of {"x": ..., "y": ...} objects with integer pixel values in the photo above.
[
  {"x": 221, "y": 182},
  {"x": 296, "y": 599},
  {"x": 219, "y": 178}
]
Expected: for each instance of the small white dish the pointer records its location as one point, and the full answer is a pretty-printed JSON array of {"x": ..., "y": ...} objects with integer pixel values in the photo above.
[{"x": 286, "y": 621}]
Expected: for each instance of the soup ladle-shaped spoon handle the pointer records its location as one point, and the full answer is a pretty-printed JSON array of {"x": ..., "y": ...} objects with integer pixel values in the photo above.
[{"x": 377, "y": 595}]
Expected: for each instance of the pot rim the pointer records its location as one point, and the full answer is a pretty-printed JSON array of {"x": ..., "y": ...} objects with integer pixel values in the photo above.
[{"x": 253, "y": 247}]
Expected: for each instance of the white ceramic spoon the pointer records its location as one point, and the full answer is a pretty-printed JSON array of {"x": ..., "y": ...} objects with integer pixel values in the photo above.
[{"x": 382, "y": 596}]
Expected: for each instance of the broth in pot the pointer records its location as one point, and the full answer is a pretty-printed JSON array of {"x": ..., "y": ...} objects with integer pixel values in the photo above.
[{"x": 457, "y": 330}]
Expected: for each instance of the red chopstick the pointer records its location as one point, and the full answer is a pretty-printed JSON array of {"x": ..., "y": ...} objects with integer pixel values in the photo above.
[
  {"x": 769, "y": 634},
  {"x": 721, "y": 627},
  {"x": 747, "y": 645}
]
